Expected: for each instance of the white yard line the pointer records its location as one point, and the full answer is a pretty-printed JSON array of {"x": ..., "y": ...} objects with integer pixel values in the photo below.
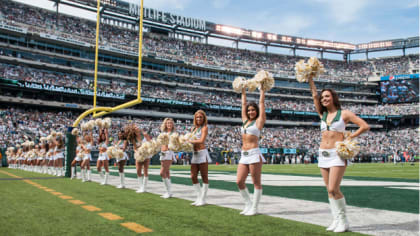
[{"x": 362, "y": 220}]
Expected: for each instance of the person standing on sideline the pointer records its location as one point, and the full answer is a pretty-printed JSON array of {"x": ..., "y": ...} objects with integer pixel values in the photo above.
[
  {"x": 201, "y": 158},
  {"x": 333, "y": 126},
  {"x": 253, "y": 118}
]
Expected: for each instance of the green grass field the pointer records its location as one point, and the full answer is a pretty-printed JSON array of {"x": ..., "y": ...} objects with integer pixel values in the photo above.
[{"x": 30, "y": 210}]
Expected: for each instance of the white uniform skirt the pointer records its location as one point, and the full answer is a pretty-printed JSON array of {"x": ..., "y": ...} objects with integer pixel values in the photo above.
[
  {"x": 40, "y": 158},
  {"x": 78, "y": 158},
  {"x": 251, "y": 156},
  {"x": 87, "y": 157},
  {"x": 200, "y": 157},
  {"x": 59, "y": 155},
  {"x": 167, "y": 155},
  {"x": 329, "y": 158},
  {"x": 103, "y": 157},
  {"x": 125, "y": 157}
]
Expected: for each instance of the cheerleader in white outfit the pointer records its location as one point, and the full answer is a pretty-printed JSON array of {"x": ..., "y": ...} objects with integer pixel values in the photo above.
[
  {"x": 86, "y": 149},
  {"x": 166, "y": 157},
  {"x": 78, "y": 158},
  {"x": 122, "y": 144},
  {"x": 333, "y": 124},
  {"x": 103, "y": 159},
  {"x": 19, "y": 156},
  {"x": 142, "y": 180},
  {"x": 38, "y": 159},
  {"x": 51, "y": 157},
  {"x": 59, "y": 155},
  {"x": 43, "y": 154},
  {"x": 253, "y": 118},
  {"x": 201, "y": 158}
]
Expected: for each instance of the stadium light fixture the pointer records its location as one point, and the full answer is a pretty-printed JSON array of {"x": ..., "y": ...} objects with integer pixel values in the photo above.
[{"x": 229, "y": 30}]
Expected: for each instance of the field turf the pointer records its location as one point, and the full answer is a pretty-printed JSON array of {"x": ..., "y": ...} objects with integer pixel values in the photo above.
[{"x": 35, "y": 207}]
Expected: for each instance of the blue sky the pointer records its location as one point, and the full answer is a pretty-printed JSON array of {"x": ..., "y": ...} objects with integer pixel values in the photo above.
[{"x": 351, "y": 21}]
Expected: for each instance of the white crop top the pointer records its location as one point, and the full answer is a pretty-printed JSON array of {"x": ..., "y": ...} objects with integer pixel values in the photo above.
[
  {"x": 250, "y": 129},
  {"x": 197, "y": 133},
  {"x": 337, "y": 123}
]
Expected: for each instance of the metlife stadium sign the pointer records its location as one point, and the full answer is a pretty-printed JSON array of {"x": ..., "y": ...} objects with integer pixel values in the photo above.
[{"x": 168, "y": 18}]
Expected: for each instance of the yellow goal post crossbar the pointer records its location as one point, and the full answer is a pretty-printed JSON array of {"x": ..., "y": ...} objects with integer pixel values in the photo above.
[{"x": 106, "y": 110}]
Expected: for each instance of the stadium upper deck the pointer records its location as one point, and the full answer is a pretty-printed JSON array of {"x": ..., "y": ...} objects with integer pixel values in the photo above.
[
  {"x": 80, "y": 31},
  {"x": 186, "y": 71}
]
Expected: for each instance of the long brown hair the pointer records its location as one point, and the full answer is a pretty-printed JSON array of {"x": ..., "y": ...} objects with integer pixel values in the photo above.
[{"x": 336, "y": 101}]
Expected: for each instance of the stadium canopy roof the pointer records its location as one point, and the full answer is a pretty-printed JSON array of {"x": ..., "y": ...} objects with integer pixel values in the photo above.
[{"x": 124, "y": 13}]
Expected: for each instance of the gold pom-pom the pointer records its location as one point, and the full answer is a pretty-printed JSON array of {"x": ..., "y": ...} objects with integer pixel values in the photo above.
[
  {"x": 252, "y": 85},
  {"x": 174, "y": 143},
  {"x": 163, "y": 139},
  {"x": 304, "y": 70},
  {"x": 60, "y": 135},
  {"x": 75, "y": 132},
  {"x": 109, "y": 151},
  {"x": 107, "y": 122},
  {"x": 99, "y": 123},
  {"x": 238, "y": 84},
  {"x": 91, "y": 124},
  {"x": 348, "y": 148},
  {"x": 264, "y": 80}
]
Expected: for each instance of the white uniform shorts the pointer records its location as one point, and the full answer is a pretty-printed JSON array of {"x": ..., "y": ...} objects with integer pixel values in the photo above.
[
  {"x": 167, "y": 155},
  {"x": 251, "y": 156},
  {"x": 200, "y": 157},
  {"x": 329, "y": 158}
]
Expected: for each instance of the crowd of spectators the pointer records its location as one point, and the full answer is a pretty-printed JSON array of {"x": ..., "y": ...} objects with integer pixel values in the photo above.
[
  {"x": 42, "y": 21},
  {"x": 16, "y": 123},
  {"x": 25, "y": 73}
]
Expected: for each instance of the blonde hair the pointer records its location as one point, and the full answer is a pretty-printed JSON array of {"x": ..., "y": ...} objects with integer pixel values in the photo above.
[
  {"x": 204, "y": 117},
  {"x": 163, "y": 125}
]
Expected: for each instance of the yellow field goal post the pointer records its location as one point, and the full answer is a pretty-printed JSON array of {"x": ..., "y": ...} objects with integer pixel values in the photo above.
[
  {"x": 71, "y": 139},
  {"x": 106, "y": 110}
]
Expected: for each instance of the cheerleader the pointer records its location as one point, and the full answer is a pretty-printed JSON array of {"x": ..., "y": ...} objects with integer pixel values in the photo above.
[
  {"x": 333, "y": 125},
  {"x": 103, "y": 159},
  {"x": 19, "y": 156},
  {"x": 253, "y": 118},
  {"x": 27, "y": 157},
  {"x": 122, "y": 144},
  {"x": 38, "y": 159},
  {"x": 78, "y": 158},
  {"x": 43, "y": 153},
  {"x": 201, "y": 157},
  {"x": 86, "y": 149},
  {"x": 166, "y": 157},
  {"x": 59, "y": 154},
  {"x": 135, "y": 136},
  {"x": 143, "y": 137},
  {"x": 11, "y": 157},
  {"x": 52, "y": 170}
]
